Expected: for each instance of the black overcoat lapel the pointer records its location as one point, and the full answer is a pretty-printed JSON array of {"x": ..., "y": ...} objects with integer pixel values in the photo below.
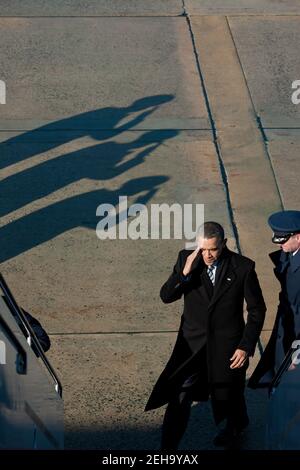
[
  {"x": 224, "y": 280},
  {"x": 206, "y": 286}
]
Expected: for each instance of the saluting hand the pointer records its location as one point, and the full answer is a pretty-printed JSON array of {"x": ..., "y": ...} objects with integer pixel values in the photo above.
[
  {"x": 239, "y": 358},
  {"x": 189, "y": 261}
]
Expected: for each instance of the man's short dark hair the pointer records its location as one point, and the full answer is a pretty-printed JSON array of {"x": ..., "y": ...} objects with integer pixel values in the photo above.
[{"x": 212, "y": 230}]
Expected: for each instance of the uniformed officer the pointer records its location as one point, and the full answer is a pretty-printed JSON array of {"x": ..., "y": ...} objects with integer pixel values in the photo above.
[{"x": 286, "y": 233}]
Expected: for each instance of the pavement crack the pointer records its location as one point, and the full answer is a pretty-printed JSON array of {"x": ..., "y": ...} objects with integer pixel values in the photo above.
[
  {"x": 89, "y": 333},
  {"x": 258, "y": 119},
  {"x": 215, "y": 135}
]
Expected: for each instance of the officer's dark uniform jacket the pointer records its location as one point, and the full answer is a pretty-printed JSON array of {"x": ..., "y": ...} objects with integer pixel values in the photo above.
[{"x": 287, "y": 322}]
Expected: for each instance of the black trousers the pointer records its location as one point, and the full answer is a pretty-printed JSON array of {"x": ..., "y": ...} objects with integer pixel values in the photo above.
[{"x": 178, "y": 412}]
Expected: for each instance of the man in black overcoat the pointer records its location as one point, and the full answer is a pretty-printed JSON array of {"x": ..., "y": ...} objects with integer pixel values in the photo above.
[
  {"x": 286, "y": 233},
  {"x": 214, "y": 343}
]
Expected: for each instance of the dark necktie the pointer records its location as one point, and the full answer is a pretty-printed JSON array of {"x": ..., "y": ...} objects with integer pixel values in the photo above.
[{"x": 284, "y": 264}]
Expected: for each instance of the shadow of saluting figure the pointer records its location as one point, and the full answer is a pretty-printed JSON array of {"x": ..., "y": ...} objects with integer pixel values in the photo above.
[
  {"x": 91, "y": 123},
  {"x": 77, "y": 211},
  {"x": 99, "y": 162}
]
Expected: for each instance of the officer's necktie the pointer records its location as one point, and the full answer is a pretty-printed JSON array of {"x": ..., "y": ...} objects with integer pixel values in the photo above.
[
  {"x": 285, "y": 262},
  {"x": 211, "y": 275}
]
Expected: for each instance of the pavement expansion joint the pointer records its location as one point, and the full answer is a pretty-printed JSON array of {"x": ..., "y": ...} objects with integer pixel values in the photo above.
[
  {"x": 215, "y": 139},
  {"x": 89, "y": 333},
  {"x": 93, "y": 16}
]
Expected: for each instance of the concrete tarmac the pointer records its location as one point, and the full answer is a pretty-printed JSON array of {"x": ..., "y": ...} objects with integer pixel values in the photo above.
[{"x": 168, "y": 101}]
